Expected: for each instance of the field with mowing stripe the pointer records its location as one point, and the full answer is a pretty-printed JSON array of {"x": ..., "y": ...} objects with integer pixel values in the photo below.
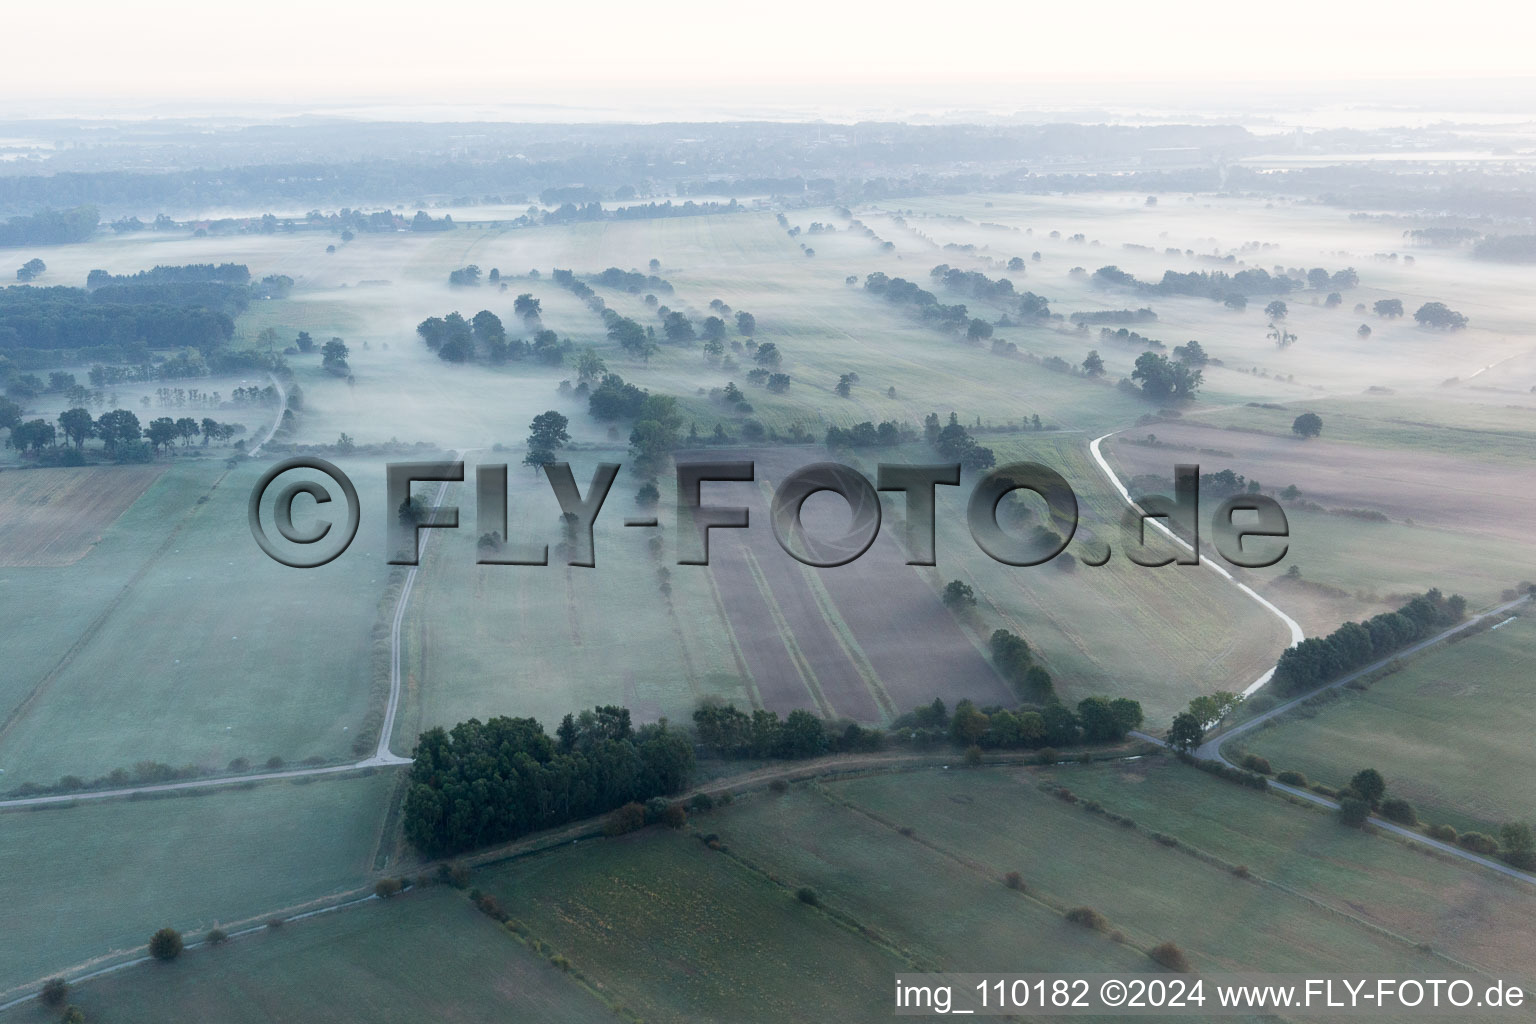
[
  {"x": 96, "y": 879},
  {"x": 1451, "y": 731},
  {"x": 428, "y": 955}
]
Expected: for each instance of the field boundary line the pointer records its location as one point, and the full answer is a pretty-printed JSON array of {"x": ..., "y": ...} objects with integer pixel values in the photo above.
[
  {"x": 787, "y": 637},
  {"x": 848, "y": 642}
]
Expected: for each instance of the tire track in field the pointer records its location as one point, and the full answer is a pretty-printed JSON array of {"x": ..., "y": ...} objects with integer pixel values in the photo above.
[
  {"x": 786, "y": 635},
  {"x": 779, "y": 684}
]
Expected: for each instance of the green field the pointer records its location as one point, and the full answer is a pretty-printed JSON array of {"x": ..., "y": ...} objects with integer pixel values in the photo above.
[
  {"x": 1450, "y": 731},
  {"x": 1075, "y": 858},
  {"x": 541, "y": 641},
  {"x": 908, "y": 873},
  {"x": 1159, "y": 635},
  {"x": 95, "y": 880},
  {"x": 176, "y": 640},
  {"x": 676, "y": 932},
  {"x": 1466, "y": 913},
  {"x": 427, "y": 955}
]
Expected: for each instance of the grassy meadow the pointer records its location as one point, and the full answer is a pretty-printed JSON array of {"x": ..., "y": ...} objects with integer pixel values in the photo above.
[
  {"x": 93, "y": 881},
  {"x": 426, "y": 955},
  {"x": 1450, "y": 731}
]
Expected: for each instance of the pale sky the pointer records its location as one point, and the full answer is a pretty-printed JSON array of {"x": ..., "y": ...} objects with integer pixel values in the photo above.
[{"x": 323, "y": 50}]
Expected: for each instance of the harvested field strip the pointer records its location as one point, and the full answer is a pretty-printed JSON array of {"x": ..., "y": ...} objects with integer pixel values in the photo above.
[
  {"x": 777, "y": 676},
  {"x": 787, "y": 634}
]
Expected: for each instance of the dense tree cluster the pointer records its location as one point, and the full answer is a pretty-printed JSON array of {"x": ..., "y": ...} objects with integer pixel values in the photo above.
[
  {"x": 974, "y": 283},
  {"x": 483, "y": 783},
  {"x": 614, "y": 399},
  {"x": 632, "y": 281},
  {"x": 900, "y": 291},
  {"x": 1439, "y": 316},
  {"x": 122, "y": 317},
  {"x": 1319, "y": 660},
  {"x": 726, "y": 731},
  {"x": 1507, "y": 248},
  {"x": 1126, "y": 336},
  {"x": 191, "y": 273},
  {"x": 457, "y": 340},
  {"x": 1163, "y": 378},
  {"x": 1220, "y": 286},
  {"x": 955, "y": 444},
  {"x": 1016, "y": 663},
  {"x": 50, "y": 227},
  {"x": 1052, "y": 724}
]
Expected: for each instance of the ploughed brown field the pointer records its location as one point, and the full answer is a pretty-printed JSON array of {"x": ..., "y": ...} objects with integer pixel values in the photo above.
[
  {"x": 864, "y": 640},
  {"x": 53, "y": 517}
]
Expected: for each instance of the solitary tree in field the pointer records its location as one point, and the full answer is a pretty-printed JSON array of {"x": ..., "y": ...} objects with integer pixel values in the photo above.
[
  {"x": 76, "y": 425},
  {"x": 1093, "y": 365},
  {"x": 1354, "y": 811},
  {"x": 526, "y": 306},
  {"x": 1186, "y": 732},
  {"x": 1308, "y": 424},
  {"x": 1276, "y": 310},
  {"x": 1363, "y": 331},
  {"x": 590, "y": 365},
  {"x": 1369, "y": 786},
  {"x": 55, "y": 991},
  {"x": 1517, "y": 844},
  {"x": 958, "y": 595},
  {"x": 1439, "y": 316},
  {"x": 117, "y": 428},
  {"x": 333, "y": 357},
  {"x": 165, "y": 944},
  {"x": 1388, "y": 307},
  {"x": 546, "y": 435}
]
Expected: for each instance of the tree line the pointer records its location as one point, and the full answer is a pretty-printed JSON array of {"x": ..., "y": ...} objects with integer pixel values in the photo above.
[
  {"x": 51, "y": 319},
  {"x": 225, "y": 273},
  {"x": 50, "y": 227},
  {"x": 1319, "y": 660},
  {"x": 122, "y": 437}
]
